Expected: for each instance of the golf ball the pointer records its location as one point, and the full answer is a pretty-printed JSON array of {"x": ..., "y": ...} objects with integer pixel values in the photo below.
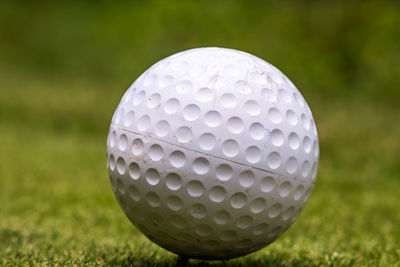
[{"x": 212, "y": 153}]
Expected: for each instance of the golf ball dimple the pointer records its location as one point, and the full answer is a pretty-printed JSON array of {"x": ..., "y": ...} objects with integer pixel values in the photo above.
[{"x": 212, "y": 153}]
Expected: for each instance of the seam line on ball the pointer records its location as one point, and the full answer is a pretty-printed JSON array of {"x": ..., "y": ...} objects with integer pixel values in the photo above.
[{"x": 200, "y": 152}]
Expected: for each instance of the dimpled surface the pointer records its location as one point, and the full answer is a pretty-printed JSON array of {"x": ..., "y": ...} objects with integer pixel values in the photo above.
[{"x": 212, "y": 153}]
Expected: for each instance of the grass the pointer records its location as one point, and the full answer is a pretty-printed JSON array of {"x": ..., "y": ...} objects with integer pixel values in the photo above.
[
  {"x": 59, "y": 87},
  {"x": 58, "y": 207}
]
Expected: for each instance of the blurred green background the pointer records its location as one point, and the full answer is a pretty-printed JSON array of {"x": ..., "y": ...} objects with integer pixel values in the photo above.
[{"x": 65, "y": 65}]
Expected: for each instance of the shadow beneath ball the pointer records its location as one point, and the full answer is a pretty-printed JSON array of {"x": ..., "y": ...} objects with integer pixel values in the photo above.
[{"x": 278, "y": 259}]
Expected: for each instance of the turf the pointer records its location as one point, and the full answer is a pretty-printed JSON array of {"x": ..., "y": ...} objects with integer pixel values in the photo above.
[{"x": 57, "y": 206}]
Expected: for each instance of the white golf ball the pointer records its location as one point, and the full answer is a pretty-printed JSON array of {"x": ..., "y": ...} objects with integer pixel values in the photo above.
[{"x": 212, "y": 153}]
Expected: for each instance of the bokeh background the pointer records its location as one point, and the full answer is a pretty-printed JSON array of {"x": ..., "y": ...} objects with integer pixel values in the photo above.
[{"x": 64, "y": 65}]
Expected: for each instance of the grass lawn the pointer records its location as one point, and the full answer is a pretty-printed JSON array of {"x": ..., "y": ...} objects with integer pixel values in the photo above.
[
  {"x": 65, "y": 66},
  {"x": 58, "y": 206}
]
